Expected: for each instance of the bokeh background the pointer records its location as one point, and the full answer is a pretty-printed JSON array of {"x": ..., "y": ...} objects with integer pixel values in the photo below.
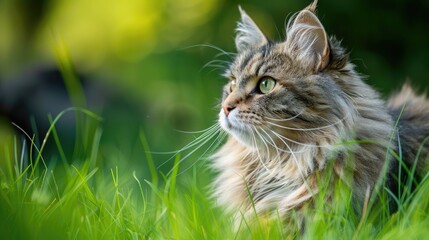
[{"x": 145, "y": 65}]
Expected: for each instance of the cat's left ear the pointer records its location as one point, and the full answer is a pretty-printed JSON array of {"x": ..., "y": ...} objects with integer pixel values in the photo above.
[
  {"x": 248, "y": 33},
  {"x": 307, "y": 40}
]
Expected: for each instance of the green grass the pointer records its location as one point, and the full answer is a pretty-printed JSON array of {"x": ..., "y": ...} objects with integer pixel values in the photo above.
[{"x": 97, "y": 198}]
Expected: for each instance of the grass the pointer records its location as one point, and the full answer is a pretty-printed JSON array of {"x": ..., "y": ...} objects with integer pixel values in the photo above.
[{"x": 98, "y": 199}]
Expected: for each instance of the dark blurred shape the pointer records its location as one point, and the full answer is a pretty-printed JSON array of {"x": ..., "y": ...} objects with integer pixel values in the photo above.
[
  {"x": 28, "y": 98},
  {"x": 32, "y": 15}
]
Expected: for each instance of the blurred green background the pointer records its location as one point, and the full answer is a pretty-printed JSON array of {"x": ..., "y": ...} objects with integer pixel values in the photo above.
[{"x": 146, "y": 59}]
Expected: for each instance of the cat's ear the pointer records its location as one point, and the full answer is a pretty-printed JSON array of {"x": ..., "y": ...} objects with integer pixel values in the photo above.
[
  {"x": 248, "y": 35},
  {"x": 307, "y": 40}
]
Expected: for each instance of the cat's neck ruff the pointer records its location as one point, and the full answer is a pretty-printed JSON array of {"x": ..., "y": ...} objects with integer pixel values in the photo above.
[{"x": 271, "y": 180}]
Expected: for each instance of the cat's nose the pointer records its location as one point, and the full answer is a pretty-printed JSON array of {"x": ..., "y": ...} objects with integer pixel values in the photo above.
[{"x": 228, "y": 109}]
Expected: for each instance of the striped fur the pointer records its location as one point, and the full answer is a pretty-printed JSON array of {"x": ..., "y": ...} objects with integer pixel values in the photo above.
[{"x": 281, "y": 141}]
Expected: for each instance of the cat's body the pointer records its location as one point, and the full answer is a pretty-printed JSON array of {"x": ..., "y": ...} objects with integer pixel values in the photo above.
[{"x": 297, "y": 107}]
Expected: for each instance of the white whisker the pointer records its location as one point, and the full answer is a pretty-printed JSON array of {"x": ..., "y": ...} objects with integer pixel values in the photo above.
[
  {"x": 222, "y": 52},
  {"x": 193, "y": 151},
  {"x": 200, "y": 131},
  {"x": 193, "y": 142},
  {"x": 298, "y": 164},
  {"x": 309, "y": 129},
  {"x": 257, "y": 151},
  {"x": 263, "y": 140},
  {"x": 204, "y": 138},
  {"x": 216, "y": 143},
  {"x": 273, "y": 143},
  {"x": 299, "y": 143},
  {"x": 287, "y": 119}
]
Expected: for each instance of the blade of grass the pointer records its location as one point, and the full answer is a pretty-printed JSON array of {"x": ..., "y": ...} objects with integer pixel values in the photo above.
[{"x": 149, "y": 159}]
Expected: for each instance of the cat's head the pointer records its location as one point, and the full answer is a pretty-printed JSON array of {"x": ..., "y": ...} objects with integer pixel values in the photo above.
[{"x": 288, "y": 92}]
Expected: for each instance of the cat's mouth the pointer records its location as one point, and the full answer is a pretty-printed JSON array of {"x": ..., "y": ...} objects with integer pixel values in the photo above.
[{"x": 240, "y": 130}]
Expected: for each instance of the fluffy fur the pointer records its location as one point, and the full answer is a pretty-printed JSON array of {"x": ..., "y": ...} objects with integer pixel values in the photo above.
[{"x": 282, "y": 140}]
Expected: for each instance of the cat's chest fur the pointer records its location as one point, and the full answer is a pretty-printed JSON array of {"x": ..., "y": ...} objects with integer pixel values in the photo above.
[{"x": 250, "y": 179}]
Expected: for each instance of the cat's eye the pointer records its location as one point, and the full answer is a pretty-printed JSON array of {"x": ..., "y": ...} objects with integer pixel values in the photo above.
[{"x": 266, "y": 84}]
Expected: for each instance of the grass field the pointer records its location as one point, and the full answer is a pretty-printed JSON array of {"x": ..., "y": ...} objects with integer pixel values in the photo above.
[{"x": 97, "y": 198}]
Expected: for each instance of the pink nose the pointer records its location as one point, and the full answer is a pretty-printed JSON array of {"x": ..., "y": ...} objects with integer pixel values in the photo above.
[{"x": 228, "y": 109}]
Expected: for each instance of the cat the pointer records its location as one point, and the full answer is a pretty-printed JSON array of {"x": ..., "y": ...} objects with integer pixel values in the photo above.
[{"x": 288, "y": 109}]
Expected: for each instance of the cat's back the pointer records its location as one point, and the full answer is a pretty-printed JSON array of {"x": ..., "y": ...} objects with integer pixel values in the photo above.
[{"x": 411, "y": 112}]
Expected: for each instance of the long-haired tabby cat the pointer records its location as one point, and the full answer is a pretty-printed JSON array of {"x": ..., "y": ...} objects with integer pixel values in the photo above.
[{"x": 290, "y": 106}]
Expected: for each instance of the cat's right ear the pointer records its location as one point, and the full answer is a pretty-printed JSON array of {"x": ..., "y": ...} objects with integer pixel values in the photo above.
[{"x": 248, "y": 34}]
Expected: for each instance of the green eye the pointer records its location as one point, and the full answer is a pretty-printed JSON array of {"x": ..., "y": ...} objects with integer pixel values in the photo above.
[{"x": 266, "y": 84}]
